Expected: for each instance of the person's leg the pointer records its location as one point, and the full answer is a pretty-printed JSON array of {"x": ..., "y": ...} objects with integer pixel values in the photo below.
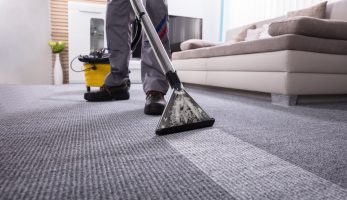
[
  {"x": 153, "y": 78},
  {"x": 154, "y": 81},
  {"x": 118, "y": 34}
]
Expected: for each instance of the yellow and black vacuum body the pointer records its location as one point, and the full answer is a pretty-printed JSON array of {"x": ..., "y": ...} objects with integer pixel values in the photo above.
[{"x": 96, "y": 66}]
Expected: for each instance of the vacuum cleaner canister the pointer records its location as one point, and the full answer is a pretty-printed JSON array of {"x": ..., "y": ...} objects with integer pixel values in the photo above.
[
  {"x": 96, "y": 66},
  {"x": 94, "y": 74}
]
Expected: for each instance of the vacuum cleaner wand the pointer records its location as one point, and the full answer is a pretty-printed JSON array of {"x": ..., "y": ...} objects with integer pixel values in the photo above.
[{"x": 182, "y": 113}]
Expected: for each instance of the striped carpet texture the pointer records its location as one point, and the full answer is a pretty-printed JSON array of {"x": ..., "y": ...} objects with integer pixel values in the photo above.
[{"x": 54, "y": 145}]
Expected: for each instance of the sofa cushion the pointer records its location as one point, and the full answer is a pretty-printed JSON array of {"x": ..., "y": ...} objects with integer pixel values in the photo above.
[
  {"x": 253, "y": 34},
  {"x": 258, "y": 33},
  {"x": 241, "y": 36},
  {"x": 278, "y": 43},
  {"x": 310, "y": 27},
  {"x": 265, "y": 32},
  {"x": 196, "y": 44},
  {"x": 317, "y": 11}
]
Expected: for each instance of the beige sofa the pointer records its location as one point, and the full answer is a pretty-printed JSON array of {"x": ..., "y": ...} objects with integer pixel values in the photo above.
[{"x": 285, "y": 66}]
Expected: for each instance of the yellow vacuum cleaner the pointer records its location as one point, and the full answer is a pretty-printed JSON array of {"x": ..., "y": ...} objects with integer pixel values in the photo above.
[
  {"x": 94, "y": 74},
  {"x": 96, "y": 66}
]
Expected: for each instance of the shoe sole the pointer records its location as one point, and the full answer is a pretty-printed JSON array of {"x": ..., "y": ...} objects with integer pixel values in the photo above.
[
  {"x": 154, "y": 109},
  {"x": 94, "y": 98}
]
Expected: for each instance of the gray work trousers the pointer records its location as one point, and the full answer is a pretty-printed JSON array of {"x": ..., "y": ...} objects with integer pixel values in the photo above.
[{"x": 119, "y": 16}]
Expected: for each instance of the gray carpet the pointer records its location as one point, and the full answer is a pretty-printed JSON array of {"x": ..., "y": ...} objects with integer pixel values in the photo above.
[{"x": 54, "y": 145}]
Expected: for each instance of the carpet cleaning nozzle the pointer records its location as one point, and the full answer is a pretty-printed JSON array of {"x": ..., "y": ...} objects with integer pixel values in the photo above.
[{"x": 182, "y": 113}]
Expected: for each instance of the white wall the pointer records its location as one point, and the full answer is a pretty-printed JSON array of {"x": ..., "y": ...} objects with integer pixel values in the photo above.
[
  {"x": 208, "y": 10},
  {"x": 25, "y": 56},
  {"x": 238, "y": 13}
]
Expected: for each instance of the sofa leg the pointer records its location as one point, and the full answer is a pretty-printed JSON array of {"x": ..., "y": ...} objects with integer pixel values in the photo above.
[{"x": 284, "y": 100}]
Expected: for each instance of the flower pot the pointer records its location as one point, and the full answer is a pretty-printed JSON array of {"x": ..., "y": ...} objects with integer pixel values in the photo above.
[{"x": 57, "y": 71}]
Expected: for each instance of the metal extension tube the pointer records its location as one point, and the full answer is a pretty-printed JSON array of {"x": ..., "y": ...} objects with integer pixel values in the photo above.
[
  {"x": 154, "y": 40},
  {"x": 181, "y": 113}
]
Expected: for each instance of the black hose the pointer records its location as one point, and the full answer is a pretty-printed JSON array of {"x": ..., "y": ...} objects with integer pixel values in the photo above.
[
  {"x": 138, "y": 34},
  {"x": 93, "y": 67}
]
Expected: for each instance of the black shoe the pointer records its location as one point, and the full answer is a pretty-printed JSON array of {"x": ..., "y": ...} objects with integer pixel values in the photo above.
[
  {"x": 155, "y": 103},
  {"x": 107, "y": 93}
]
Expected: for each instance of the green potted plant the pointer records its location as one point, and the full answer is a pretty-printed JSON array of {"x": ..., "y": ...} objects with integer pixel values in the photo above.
[{"x": 57, "y": 48}]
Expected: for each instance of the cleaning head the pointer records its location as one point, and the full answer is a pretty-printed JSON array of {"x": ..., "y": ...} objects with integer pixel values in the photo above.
[{"x": 182, "y": 113}]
